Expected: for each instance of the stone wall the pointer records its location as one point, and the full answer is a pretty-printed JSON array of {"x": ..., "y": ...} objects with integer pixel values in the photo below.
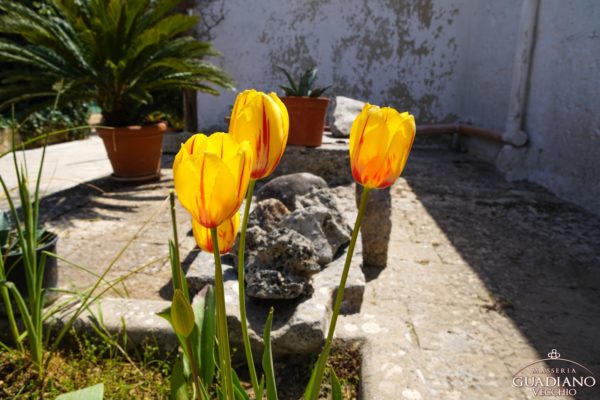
[
  {"x": 444, "y": 60},
  {"x": 404, "y": 53}
]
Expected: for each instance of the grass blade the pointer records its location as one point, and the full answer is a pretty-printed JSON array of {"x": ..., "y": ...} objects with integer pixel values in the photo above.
[
  {"x": 336, "y": 387},
  {"x": 240, "y": 393}
]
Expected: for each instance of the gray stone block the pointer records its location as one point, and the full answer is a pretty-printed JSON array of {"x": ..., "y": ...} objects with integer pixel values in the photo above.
[
  {"x": 376, "y": 227},
  {"x": 344, "y": 114}
]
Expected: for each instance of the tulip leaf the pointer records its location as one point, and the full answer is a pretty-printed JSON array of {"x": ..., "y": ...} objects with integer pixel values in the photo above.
[
  {"x": 179, "y": 390},
  {"x": 267, "y": 360},
  {"x": 95, "y": 392},
  {"x": 336, "y": 387},
  {"x": 207, "y": 327},
  {"x": 261, "y": 387},
  {"x": 311, "y": 382}
]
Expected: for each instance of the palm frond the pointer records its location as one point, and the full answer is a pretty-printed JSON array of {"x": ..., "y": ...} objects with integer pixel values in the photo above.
[{"x": 120, "y": 53}]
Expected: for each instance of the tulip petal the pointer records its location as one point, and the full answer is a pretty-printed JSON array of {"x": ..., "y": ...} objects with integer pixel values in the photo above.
[
  {"x": 263, "y": 121},
  {"x": 380, "y": 141},
  {"x": 222, "y": 144},
  {"x": 187, "y": 181},
  {"x": 216, "y": 200},
  {"x": 226, "y": 233},
  {"x": 241, "y": 168}
]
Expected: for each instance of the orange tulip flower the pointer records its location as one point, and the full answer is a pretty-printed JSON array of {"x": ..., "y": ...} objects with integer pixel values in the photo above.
[
  {"x": 380, "y": 142},
  {"x": 211, "y": 176},
  {"x": 262, "y": 120},
  {"x": 226, "y": 232}
]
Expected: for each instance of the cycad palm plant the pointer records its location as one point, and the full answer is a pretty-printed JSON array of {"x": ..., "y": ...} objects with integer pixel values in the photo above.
[{"x": 118, "y": 53}]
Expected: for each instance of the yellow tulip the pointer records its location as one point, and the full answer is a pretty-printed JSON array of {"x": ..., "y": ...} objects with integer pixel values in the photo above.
[
  {"x": 211, "y": 176},
  {"x": 262, "y": 120},
  {"x": 226, "y": 232},
  {"x": 380, "y": 141}
]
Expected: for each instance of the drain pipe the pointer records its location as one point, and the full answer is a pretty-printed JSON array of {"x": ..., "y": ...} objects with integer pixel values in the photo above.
[
  {"x": 514, "y": 133},
  {"x": 458, "y": 128},
  {"x": 511, "y": 160}
]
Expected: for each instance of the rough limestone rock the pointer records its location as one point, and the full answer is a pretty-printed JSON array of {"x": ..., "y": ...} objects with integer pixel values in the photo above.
[
  {"x": 281, "y": 269},
  {"x": 285, "y": 188},
  {"x": 283, "y": 248},
  {"x": 344, "y": 113},
  {"x": 268, "y": 214},
  {"x": 317, "y": 217}
]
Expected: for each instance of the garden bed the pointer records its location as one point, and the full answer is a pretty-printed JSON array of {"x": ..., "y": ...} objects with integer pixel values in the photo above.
[{"x": 145, "y": 374}]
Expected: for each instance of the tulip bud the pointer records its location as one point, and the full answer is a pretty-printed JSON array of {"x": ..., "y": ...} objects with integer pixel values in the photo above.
[{"x": 182, "y": 314}]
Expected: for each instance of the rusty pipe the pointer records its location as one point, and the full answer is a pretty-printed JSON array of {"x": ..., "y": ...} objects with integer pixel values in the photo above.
[{"x": 462, "y": 129}]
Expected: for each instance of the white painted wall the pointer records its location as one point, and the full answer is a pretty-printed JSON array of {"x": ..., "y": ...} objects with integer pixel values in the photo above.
[
  {"x": 443, "y": 60},
  {"x": 563, "y": 112}
]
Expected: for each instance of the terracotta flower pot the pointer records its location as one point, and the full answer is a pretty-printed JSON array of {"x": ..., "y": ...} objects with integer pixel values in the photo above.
[
  {"x": 134, "y": 151},
  {"x": 307, "y": 119}
]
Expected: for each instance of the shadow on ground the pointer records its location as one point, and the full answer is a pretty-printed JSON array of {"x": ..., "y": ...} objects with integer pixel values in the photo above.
[{"x": 538, "y": 256}]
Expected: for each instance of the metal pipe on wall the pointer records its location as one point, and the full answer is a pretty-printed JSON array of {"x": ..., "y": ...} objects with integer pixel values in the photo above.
[
  {"x": 514, "y": 131},
  {"x": 462, "y": 129}
]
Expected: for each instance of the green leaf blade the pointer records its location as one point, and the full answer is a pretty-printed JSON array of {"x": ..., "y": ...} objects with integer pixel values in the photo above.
[
  {"x": 267, "y": 360},
  {"x": 95, "y": 392}
]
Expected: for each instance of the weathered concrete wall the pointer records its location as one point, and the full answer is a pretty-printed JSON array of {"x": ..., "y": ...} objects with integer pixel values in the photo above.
[
  {"x": 563, "y": 112},
  {"x": 402, "y": 53},
  {"x": 443, "y": 60}
]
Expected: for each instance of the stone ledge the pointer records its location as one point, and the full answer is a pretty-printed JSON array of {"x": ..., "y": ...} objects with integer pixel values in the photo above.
[
  {"x": 331, "y": 161},
  {"x": 299, "y": 327}
]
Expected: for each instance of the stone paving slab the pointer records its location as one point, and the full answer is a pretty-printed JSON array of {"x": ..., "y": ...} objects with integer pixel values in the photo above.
[
  {"x": 483, "y": 277},
  {"x": 66, "y": 164}
]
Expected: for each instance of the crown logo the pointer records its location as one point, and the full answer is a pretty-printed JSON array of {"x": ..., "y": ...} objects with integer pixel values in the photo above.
[{"x": 554, "y": 354}]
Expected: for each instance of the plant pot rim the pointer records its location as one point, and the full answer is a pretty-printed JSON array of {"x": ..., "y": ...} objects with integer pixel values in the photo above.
[
  {"x": 51, "y": 240},
  {"x": 160, "y": 125},
  {"x": 322, "y": 98}
]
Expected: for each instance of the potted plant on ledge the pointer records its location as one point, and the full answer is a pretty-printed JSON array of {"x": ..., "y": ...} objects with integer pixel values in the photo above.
[
  {"x": 306, "y": 108},
  {"x": 120, "y": 54}
]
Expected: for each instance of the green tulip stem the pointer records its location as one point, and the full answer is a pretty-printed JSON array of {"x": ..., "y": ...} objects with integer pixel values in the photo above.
[
  {"x": 195, "y": 375},
  {"x": 320, "y": 365},
  {"x": 222, "y": 332},
  {"x": 181, "y": 275},
  {"x": 242, "y": 293}
]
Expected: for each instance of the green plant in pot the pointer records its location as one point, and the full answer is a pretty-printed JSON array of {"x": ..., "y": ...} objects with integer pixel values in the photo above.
[
  {"x": 12, "y": 254},
  {"x": 121, "y": 54},
  {"x": 306, "y": 107}
]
